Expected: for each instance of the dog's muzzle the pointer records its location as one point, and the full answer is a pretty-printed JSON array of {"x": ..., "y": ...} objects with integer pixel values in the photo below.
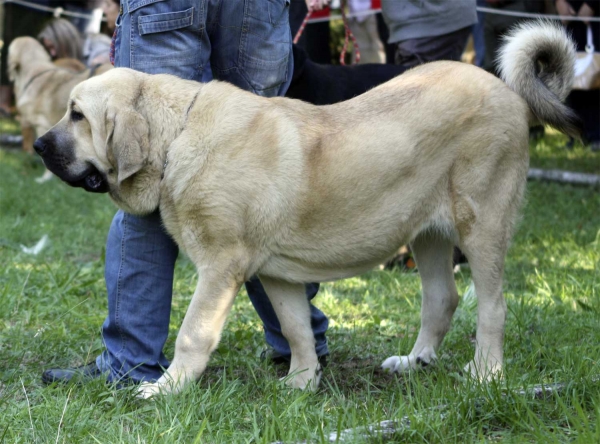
[
  {"x": 39, "y": 146},
  {"x": 61, "y": 161},
  {"x": 91, "y": 180}
]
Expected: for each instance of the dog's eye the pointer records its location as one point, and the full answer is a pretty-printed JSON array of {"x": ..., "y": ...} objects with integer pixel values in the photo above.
[{"x": 76, "y": 116}]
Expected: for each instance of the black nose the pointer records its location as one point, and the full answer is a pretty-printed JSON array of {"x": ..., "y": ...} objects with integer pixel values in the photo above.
[{"x": 39, "y": 146}]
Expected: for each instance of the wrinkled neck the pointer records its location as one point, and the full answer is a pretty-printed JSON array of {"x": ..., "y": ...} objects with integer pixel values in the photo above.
[{"x": 166, "y": 110}]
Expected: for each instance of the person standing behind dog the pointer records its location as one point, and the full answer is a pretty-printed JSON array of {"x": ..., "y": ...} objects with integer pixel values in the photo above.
[
  {"x": 247, "y": 43},
  {"x": 428, "y": 30},
  {"x": 497, "y": 25},
  {"x": 585, "y": 102}
]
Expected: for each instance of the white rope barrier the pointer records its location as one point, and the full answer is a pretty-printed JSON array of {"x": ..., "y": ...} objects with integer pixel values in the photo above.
[
  {"x": 60, "y": 11},
  {"x": 57, "y": 12},
  {"x": 570, "y": 18},
  {"x": 339, "y": 17},
  {"x": 479, "y": 9}
]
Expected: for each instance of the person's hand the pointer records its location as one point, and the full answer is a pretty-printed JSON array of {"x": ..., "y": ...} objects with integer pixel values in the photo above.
[
  {"x": 316, "y": 5},
  {"x": 564, "y": 8},
  {"x": 585, "y": 11}
]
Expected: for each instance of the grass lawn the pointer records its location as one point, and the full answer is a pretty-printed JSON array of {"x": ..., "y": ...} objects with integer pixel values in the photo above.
[{"x": 52, "y": 306}]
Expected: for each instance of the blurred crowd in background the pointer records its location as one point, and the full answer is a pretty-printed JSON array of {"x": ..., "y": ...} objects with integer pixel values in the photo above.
[{"x": 81, "y": 31}]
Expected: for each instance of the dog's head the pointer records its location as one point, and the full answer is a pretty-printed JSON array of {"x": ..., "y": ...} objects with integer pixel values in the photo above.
[
  {"x": 102, "y": 142},
  {"x": 23, "y": 53}
]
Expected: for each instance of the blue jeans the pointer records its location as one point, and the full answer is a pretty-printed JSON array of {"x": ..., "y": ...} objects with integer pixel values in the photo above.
[
  {"x": 478, "y": 35},
  {"x": 247, "y": 43}
]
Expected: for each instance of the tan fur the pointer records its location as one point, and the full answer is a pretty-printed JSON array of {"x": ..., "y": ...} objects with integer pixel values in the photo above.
[
  {"x": 71, "y": 64},
  {"x": 297, "y": 193},
  {"x": 42, "y": 102}
]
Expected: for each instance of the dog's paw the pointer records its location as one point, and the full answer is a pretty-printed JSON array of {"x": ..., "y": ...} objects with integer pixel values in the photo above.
[
  {"x": 45, "y": 177},
  {"x": 483, "y": 372},
  {"x": 399, "y": 364},
  {"x": 402, "y": 364},
  {"x": 303, "y": 380},
  {"x": 148, "y": 390}
]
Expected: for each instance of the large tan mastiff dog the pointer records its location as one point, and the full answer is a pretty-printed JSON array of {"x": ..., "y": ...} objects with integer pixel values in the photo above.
[{"x": 297, "y": 193}]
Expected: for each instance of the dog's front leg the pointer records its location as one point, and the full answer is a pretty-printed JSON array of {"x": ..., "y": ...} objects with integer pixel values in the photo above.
[
  {"x": 28, "y": 133},
  {"x": 202, "y": 326},
  {"x": 293, "y": 312}
]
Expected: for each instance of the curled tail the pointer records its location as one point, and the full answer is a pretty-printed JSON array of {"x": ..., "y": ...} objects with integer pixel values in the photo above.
[{"x": 537, "y": 61}]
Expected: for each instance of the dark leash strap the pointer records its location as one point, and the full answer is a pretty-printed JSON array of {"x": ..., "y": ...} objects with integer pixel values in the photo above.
[
  {"x": 35, "y": 77},
  {"x": 348, "y": 35},
  {"x": 185, "y": 119},
  {"x": 93, "y": 70}
]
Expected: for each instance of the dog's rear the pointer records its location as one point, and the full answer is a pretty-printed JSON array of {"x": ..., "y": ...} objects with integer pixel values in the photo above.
[{"x": 537, "y": 62}]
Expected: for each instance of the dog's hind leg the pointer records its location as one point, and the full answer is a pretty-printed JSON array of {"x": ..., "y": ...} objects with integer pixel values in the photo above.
[
  {"x": 433, "y": 253},
  {"x": 293, "y": 312},
  {"x": 485, "y": 242}
]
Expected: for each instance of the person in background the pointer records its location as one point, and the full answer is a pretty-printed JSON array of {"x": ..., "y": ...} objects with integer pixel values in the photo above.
[
  {"x": 83, "y": 8},
  {"x": 497, "y": 25},
  {"x": 585, "y": 103},
  {"x": 62, "y": 40},
  {"x": 364, "y": 28},
  {"x": 479, "y": 36},
  {"x": 110, "y": 8},
  {"x": 315, "y": 38},
  {"x": 428, "y": 30}
]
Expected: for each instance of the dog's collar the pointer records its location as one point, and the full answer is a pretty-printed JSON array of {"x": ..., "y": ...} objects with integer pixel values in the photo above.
[
  {"x": 93, "y": 70},
  {"x": 189, "y": 108},
  {"x": 35, "y": 77},
  {"x": 162, "y": 175}
]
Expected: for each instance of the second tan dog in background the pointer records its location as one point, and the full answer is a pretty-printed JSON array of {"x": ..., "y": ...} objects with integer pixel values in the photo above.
[{"x": 42, "y": 87}]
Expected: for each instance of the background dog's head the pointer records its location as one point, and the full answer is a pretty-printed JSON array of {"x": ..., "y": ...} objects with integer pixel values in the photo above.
[
  {"x": 102, "y": 142},
  {"x": 24, "y": 53}
]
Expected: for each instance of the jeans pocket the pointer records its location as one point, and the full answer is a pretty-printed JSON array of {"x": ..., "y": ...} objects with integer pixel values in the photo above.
[
  {"x": 275, "y": 12},
  {"x": 170, "y": 21},
  {"x": 279, "y": 12},
  {"x": 166, "y": 37},
  {"x": 265, "y": 56}
]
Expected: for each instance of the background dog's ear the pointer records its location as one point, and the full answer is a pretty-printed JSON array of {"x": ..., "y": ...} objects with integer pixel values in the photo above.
[
  {"x": 13, "y": 69},
  {"x": 128, "y": 142}
]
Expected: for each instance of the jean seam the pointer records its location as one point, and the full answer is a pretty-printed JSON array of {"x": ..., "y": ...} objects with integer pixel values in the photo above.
[
  {"x": 202, "y": 28},
  {"x": 243, "y": 39},
  {"x": 131, "y": 39},
  {"x": 119, "y": 275}
]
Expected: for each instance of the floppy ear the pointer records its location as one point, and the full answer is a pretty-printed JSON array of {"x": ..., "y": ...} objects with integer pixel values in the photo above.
[
  {"x": 13, "y": 69},
  {"x": 128, "y": 142}
]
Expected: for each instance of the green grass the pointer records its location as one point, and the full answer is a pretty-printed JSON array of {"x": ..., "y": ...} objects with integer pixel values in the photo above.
[
  {"x": 52, "y": 306},
  {"x": 549, "y": 153}
]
